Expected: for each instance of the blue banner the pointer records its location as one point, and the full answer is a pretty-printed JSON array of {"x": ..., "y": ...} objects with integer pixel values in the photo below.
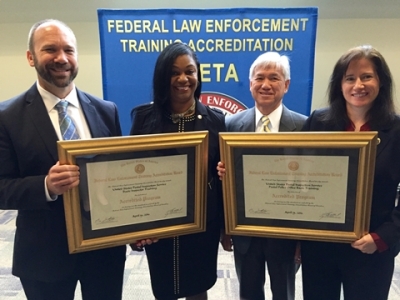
[{"x": 226, "y": 41}]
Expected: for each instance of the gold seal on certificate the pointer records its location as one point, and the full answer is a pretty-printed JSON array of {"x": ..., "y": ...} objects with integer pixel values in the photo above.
[
  {"x": 139, "y": 168},
  {"x": 293, "y": 165}
]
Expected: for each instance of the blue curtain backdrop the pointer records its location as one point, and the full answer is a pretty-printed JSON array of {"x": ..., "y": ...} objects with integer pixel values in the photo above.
[{"x": 226, "y": 41}]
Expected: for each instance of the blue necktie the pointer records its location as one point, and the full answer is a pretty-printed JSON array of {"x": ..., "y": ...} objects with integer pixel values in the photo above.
[{"x": 67, "y": 127}]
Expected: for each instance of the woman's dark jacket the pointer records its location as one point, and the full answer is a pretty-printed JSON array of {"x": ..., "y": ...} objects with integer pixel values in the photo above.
[
  {"x": 385, "y": 217},
  {"x": 206, "y": 119}
]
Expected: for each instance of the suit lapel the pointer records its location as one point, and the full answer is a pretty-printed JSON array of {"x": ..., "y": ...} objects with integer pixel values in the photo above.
[
  {"x": 384, "y": 137},
  {"x": 248, "y": 122},
  {"x": 286, "y": 123},
  {"x": 201, "y": 117},
  {"x": 94, "y": 122},
  {"x": 41, "y": 121}
]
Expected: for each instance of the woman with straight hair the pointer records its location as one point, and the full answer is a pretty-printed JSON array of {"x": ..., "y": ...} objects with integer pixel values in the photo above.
[
  {"x": 183, "y": 266},
  {"x": 360, "y": 99}
]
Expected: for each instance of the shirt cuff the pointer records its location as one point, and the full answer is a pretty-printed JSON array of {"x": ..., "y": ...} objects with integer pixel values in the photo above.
[
  {"x": 380, "y": 244},
  {"x": 48, "y": 197}
]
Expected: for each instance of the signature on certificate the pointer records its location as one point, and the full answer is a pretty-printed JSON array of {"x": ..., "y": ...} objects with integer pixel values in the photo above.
[
  {"x": 260, "y": 211},
  {"x": 106, "y": 220},
  {"x": 173, "y": 211},
  {"x": 330, "y": 215}
]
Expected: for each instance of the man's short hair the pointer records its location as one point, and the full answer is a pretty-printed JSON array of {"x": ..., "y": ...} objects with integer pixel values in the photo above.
[
  {"x": 31, "y": 46},
  {"x": 271, "y": 59}
]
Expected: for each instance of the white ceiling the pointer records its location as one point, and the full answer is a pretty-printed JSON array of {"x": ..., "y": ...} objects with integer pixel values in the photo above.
[{"x": 30, "y": 11}]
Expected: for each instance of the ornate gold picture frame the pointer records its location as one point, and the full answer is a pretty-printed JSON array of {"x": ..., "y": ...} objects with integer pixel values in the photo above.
[
  {"x": 305, "y": 185},
  {"x": 136, "y": 187}
]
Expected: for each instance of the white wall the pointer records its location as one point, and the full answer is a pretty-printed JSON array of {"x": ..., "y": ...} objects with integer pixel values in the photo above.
[{"x": 334, "y": 36}]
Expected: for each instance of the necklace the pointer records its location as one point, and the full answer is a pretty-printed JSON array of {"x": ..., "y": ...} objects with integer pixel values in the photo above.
[{"x": 177, "y": 117}]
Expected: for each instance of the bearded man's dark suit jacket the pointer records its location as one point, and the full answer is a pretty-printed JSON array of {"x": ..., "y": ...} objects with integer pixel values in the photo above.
[
  {"x": 279, "y": 250},
  {"x": 28, "y": 149}
]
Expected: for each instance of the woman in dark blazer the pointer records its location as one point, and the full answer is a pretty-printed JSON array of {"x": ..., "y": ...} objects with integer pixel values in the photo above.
[
  {"x": 183, "y": 266},
  {"x": 360, "y": 99}
]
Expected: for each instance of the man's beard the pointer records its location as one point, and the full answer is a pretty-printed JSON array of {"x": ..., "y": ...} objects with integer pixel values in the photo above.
[{"x": 45, "y": 73}]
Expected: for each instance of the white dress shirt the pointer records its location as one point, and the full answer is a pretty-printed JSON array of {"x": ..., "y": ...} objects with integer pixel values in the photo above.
[
  {"x": 274, "y": 119},
  {"x": 74, "y": 111}
]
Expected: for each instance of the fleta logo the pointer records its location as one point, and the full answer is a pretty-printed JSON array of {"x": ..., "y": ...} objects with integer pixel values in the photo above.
[{"x": 226, "y": 103}]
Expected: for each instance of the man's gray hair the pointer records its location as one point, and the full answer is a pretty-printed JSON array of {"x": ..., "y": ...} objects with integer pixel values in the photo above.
[{"x": 271, "y": 59}]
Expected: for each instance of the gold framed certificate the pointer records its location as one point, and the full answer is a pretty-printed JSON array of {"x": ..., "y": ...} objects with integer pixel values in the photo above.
[
  {"x": 304, "y": 185},
  {"x": 136, "y": 187}
]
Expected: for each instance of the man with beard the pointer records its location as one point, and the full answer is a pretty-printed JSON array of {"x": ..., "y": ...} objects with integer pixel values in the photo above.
[{"x": 32, "y": 180}]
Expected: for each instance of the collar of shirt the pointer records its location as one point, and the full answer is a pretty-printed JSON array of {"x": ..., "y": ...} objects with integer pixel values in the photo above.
[
  {"x": 51, "y": 100},
  {"x": 74, "y": 111},
  {"x": 365, "y": 127},
  {"x": 274, "y": 119}
]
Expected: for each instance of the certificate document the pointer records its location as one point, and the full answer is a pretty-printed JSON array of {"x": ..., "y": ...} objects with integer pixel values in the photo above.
[
  {"x": 133, "y": 191},
  {"x": 301, "y": 188}
]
